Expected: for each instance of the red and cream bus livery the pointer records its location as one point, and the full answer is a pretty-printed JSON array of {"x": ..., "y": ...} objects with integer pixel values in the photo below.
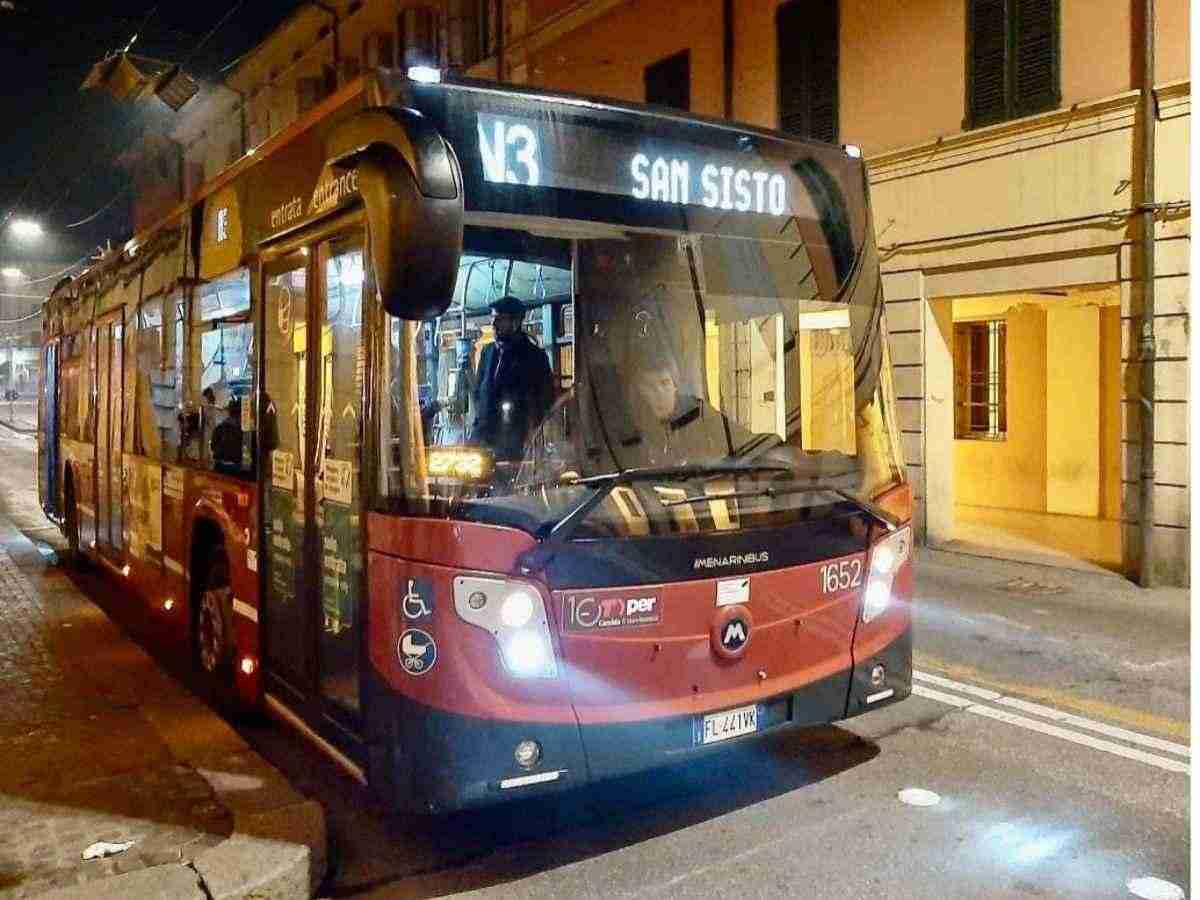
[{"x": 500, "y": 441}]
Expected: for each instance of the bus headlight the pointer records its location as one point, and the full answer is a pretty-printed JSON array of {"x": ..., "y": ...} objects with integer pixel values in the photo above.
[
  {"x": 887, "y": 556},
  {"x": 525, "y": 653},
  {"x": 516, "y": 610},
  {"x": 516, "y": 616}
]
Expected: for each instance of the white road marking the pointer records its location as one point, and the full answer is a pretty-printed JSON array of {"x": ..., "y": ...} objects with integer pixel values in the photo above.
[
  {"x": 918, "y": 797},
  {"x": 982, "y": 693},
  {"x": 1112, "y": 731},
  {"x": 1056, "y": 715},
  {"x": 1011, "y": 718},
  {"x": 1150, "y": 888},
  {"x": 1160, "y": 762},
  {"x": 948, "y": 699}
]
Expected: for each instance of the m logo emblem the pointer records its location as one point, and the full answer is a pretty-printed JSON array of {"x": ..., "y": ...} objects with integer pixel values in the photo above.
[
  {"x": 735, "y": 635},
  {"x": 731, "y": 629}
]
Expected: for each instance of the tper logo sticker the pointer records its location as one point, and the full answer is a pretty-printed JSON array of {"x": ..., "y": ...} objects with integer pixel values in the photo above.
[
  {"x": 417, "y": 651},
  {"x": 586, "y": 613}
]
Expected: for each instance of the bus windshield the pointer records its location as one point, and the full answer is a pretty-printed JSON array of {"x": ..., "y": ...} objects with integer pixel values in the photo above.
[{"x": 711, "y": 362}]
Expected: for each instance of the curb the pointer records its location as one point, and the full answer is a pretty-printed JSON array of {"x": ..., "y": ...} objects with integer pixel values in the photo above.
[
  {"x": 18, "y": 429},
  {"x": 277, "y": 848}
]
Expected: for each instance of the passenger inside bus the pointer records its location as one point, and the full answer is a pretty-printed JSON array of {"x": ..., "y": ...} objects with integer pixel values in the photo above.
[{"x": 514, "y": 389}]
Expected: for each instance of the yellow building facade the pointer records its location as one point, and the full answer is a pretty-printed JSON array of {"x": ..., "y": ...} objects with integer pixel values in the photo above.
[{"x": 1024, "y": 229}]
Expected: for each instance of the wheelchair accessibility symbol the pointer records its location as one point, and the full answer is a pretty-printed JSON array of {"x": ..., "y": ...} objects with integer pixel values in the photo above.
[{"x": 418, "y": 599}]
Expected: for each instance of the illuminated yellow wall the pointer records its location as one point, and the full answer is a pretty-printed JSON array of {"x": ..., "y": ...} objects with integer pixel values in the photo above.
[
  {"x": 1009, "y": 473},
  {"x": 1063, "y": 452},
  {"x": 1073, "y": 403}
]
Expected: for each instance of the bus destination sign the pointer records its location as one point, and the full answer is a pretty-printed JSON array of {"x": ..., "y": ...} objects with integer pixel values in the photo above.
[{"x": 521, "y": 151}]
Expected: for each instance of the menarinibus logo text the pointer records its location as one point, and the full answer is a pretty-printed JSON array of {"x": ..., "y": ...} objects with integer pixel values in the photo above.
[{"x": 734, "y": 559}]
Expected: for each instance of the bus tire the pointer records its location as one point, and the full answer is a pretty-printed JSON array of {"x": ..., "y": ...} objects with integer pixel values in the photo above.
[
  {"x": 71, "y": 525},
  {"x": 212, "y": 634}
]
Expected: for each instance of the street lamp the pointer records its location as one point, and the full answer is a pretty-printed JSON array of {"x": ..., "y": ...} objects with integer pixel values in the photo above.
[{"x": 26, "y": 228}]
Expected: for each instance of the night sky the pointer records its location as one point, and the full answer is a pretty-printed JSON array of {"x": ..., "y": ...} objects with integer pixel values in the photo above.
[{"x": 57, "y": 159}]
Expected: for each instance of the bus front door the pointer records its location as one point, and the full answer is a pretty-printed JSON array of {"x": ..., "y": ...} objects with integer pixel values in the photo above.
[{"x": 312, "y": 507}]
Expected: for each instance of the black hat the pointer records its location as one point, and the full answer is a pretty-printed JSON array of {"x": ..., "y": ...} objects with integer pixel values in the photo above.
[{"x": 508, "y": 306}]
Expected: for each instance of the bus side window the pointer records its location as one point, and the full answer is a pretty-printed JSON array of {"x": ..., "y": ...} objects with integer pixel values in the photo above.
[
  {"x": 147, "y": 346},
  {"x": 221, "y": 376}
]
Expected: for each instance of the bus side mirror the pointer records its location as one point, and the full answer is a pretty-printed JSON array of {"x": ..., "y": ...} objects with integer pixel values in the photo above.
[{"x": 411, "y": 185}]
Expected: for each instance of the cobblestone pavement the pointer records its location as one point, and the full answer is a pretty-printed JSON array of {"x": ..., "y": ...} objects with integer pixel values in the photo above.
[
  {"x": 82, "y": 764},
  {"x": 99, "y": 744}
]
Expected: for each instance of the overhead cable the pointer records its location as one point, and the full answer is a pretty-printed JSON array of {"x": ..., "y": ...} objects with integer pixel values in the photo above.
[{"x": 100, "y": 211}]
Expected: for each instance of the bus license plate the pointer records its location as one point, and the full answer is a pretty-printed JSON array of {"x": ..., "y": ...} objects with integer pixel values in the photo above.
[{"x": 725, "y": 725}]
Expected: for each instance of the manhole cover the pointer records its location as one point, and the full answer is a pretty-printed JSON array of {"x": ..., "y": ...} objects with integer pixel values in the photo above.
[{"x": 1028, "y": 586}]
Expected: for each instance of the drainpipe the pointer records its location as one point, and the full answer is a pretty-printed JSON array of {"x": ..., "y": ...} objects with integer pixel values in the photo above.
[
  {"x": 1149, "y": 116},
  {"x": 727, "y": 26}
]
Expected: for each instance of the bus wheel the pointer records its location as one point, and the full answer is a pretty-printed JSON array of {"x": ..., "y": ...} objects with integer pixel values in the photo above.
[
  {"x": 71, "y": 526},
  {"x": 213, "y": 637}
]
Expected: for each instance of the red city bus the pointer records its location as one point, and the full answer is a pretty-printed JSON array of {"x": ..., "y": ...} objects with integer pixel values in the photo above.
[{"x": 473, "y": 564}]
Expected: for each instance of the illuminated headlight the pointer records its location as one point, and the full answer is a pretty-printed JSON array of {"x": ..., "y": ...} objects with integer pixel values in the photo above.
[
  {"x": 875, "y": 599},
  {"x": 515, "y": 614},
  {"x": 525, "y": 653},
  {"x": 887, "y": 557},
  {"x": 517, "y": 609}
]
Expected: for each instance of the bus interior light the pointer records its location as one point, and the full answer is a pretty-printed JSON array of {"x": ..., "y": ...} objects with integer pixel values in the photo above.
[{"x": 425, "y": 74}]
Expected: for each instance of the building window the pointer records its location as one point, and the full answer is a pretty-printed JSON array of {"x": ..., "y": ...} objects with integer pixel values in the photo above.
[
  {"x": 1012, "y": 59},
  {"x": 471, "y": 29},
  {"x": 980, "y": 395},
  {"x": 807, "y": 34},
  {"x": 669, "y": 81}
]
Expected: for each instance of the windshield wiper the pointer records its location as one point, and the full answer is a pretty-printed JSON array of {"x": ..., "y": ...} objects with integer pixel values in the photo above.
[
  {"x": 890, "y": 522},
  {"x": 562, "y": 529}
]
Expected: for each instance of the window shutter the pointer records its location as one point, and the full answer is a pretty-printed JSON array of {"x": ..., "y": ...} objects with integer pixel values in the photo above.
[
  {"x": 1035, "y": 63},
  {"x": 669, "y": 81},
  {"x": 823, "y": 66},
  {"x": 807, "y": 35},
  {"x": 988, "y": 69}
]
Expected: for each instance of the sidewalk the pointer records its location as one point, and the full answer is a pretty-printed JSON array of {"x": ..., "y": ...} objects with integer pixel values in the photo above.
[
  {"x": 1088, "y": 642},
  {"x": 98, "y": 744},
  {"x": 20, "y": 416}
]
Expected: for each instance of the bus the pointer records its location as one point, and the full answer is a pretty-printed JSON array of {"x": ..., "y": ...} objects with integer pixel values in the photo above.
[{"x": 261, "y": 416}]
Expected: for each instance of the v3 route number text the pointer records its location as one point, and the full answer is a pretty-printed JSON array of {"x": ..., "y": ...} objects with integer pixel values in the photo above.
[{"x": 841, "y": 576}]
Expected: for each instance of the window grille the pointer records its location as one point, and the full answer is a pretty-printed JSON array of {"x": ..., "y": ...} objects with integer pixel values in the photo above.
[{"x": 980, "y": 380}]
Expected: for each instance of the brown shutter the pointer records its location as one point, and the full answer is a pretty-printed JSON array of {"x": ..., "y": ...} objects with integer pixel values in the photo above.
[
  {"x": 807, "y": 36},
  {"x": 669, "y": 81},
  {"x": 1035, "y": 57},
  {"x": 987, "y": 69}
]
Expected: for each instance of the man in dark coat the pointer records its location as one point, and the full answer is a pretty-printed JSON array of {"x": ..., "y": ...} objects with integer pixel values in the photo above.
[{"x": 514, "y": 389}]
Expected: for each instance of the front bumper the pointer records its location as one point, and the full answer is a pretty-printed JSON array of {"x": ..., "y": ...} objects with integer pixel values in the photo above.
[{"x": 433, "y": 761}]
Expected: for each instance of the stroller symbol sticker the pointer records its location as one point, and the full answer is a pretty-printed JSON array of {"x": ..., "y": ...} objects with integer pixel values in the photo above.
[{"x": 417, "y": 651}]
